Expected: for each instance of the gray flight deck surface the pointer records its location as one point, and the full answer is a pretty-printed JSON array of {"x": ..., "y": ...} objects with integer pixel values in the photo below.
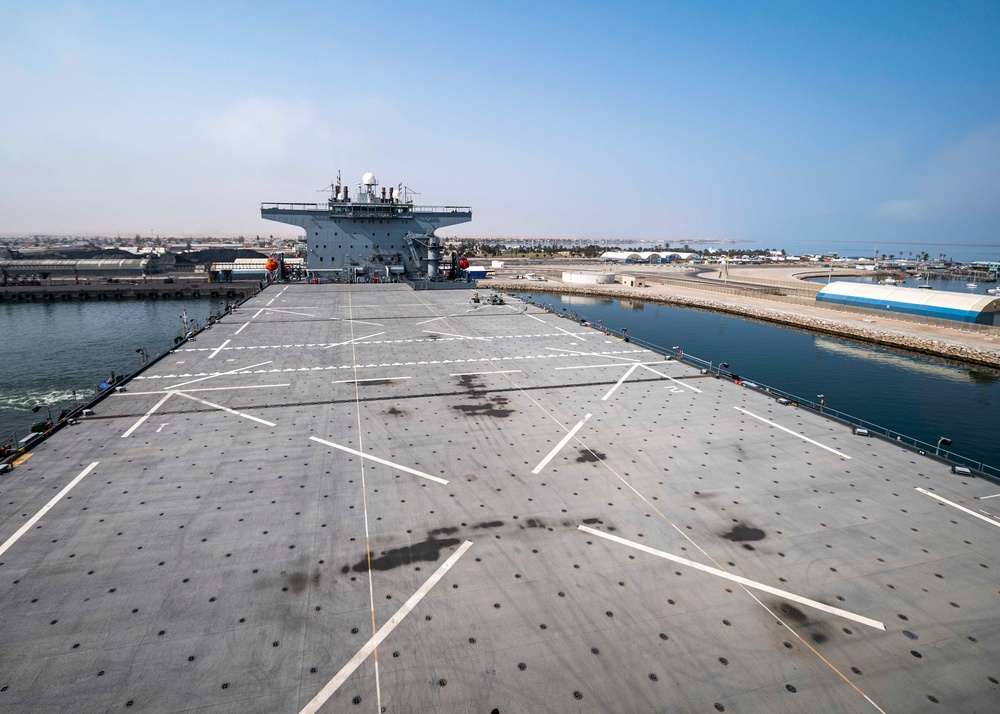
[{"x": 558, "y": 521}]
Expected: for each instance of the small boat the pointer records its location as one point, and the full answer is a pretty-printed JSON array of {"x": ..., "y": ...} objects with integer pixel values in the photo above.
[
  {"x": 992, "y": 291},
  {"x": 972, "y": 286},
  {"x": 925, "y": 287}
]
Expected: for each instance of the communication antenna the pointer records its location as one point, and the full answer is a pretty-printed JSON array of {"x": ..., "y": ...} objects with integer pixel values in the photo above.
[
  {"x": 332, "y": 187},
  {"x": 407, "y": 192}
]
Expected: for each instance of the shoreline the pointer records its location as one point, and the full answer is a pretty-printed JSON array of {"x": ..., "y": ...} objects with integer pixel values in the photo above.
[{"x": 929, "y": 345}]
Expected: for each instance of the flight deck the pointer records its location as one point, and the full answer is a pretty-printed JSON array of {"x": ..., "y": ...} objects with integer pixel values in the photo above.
[{"x": 367, "y": 498}]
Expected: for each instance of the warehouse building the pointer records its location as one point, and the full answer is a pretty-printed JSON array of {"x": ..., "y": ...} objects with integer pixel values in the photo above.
[{"x": 977, "y": 309}]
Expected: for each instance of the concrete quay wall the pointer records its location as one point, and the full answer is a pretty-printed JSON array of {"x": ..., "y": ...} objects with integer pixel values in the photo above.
[
  {"x": 926, "y": 345},
  {"x": 122, "y": 291}
]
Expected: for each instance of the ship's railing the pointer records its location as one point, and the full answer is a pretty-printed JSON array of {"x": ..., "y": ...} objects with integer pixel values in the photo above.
[
  {"x": 360, "y": 208},
  {"x": 714, "y": 368}
]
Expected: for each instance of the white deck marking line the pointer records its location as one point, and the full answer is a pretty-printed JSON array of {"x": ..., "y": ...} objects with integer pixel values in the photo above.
[
  {"x": 225, "y": 409},
  {"x": 166, "y": 423},
  {"x": 257, "y": 314},
  {"x": 983, "y": 498},
  {"x": 470, "y": 374},
  {"x": 960, "y": 507},
  {"x": 218, "y": 349},
  {"x": 793, "y": 433},
  {"x": 628, "y": 373},
  {"x": 203, "y": 389},
  {"x": 738, "y": 579},
  {"x": 272, "y": 299},
  {"x": 145, "y": 416},
  {"x": 424, "y": 322},
  {"x": 289, "y": 312},
  {"x": 220, "y": 374},
  {"x": 369, "y": 379},
  {"x": 45, "y": 509},
  {"x": 352, "y": 341},
  {"x": 667, "y": 376},
  {"x": 348, "y": 669},
  {"x": 376, "y": 459},
  {"x": 613, "y": 364},
  {"x": 364, "y": 322},
  {"x": 565, "y": 440},
  {"x": 241, "y": 328},
  {"x": 569, "y": 333},
  {"x": 536, "y": 318},
  {"x": 593, "y": 354}
]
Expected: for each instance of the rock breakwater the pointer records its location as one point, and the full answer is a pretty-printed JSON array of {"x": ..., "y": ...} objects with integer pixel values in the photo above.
[{"x": 935, "y": 346}]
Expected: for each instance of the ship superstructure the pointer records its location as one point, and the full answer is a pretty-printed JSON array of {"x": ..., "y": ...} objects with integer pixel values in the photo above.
[{"x": 377, "y": 232}]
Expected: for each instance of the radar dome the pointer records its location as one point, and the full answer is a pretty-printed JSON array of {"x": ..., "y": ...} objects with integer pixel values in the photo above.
[{"x": 368, "y": 179}]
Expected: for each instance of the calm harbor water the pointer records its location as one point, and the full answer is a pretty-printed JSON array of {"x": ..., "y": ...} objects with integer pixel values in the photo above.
[
  {"x": 50, "y": 350},
  {"x": 922, "y": 397}
]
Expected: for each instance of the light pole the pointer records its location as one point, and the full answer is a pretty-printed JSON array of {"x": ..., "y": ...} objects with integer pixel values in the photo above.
[
  {"x": 722, "y": 366},
  {"x": 41, "y": 426},
  {"x": 822, "y": 401},
  {"x": 943, "y": 441}
]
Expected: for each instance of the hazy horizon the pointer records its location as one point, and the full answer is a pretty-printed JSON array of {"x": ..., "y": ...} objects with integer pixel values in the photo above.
[{"x": 786, "y": 126}]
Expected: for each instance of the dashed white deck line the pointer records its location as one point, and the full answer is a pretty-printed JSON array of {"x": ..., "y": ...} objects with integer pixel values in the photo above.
[
  {"x": 245, "y": 370},
  {"x": 376, "y": 459},
  {"x": 561, "y": 444},
  {"x": 241, "y": 327},
  {"x": 628, "y": 373},
  {"x": 368, "y": 379},
  {"x": 991, "y": 521},
  {"x": 571, "y": 334},
  {"x": 217, "y": 374},
  {"x": 257, "y": 314},
  {"x": 471, "y": 374},
  {"x": 536, "y": 318},
  {"x": 861, "y": 619},
  {"x": 225, "y": 409},
  {"x": 365, "y": 322},
  {"x": 793, "y": 433},
  {"x": 983, "y": 498},
  {"x": 118, "y": 395},
  {"x": 45, "y": 509},
  {"x": 144, "y": 417},
  {"x": 667, "y": 376},
  {"x": 365, "y": 652},
  {"x": 443, "y": 337},
  {"x": 218, "y": 349},
  {"x": 356, "y": 339}
]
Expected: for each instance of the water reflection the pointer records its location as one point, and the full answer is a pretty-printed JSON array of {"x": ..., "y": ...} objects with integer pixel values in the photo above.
[{"x": 924, "y": 366}]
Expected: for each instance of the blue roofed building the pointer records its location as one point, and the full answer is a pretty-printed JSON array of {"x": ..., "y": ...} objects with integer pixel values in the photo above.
[{"x": 977, "y": 309}]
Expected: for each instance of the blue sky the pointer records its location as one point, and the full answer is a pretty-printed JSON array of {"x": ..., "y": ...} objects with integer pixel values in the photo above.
[{"x": 774, "y": 125}]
